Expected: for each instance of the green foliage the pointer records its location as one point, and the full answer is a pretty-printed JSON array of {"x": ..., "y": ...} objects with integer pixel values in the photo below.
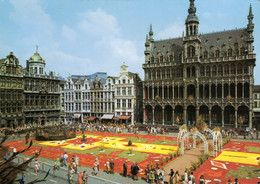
[
  {"x": 130, "y": 142},
  {"x": 200, "y": 124},
  {"x": 138, "y": 156},
  {"x": 178, "y": 152}
]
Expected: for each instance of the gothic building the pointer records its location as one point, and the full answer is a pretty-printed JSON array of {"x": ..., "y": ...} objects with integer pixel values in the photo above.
[
  {"x": 11, "y": 92},
  {"x": 208, "y": 75}
]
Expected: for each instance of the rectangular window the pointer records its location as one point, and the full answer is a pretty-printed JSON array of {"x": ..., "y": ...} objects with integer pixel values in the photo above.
[
  {"x": 118, "y": 103},
  {"x": 255, "y": 104},
  {"x": 129, "y": 103},
  {"x": 118, "y": 91},
  {"x": 124, "y": 91},
  {"x": 129, "y": 90},
  {"x": 124, "y": 103}
]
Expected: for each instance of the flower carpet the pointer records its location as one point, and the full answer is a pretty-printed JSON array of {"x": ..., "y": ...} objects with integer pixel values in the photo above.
[
  {"x": 145, "y": 149},
  {"x": 237, "y": 160}
]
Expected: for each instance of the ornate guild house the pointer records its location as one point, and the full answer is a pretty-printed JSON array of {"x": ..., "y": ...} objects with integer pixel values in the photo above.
[{"x": 208, "y": 75}]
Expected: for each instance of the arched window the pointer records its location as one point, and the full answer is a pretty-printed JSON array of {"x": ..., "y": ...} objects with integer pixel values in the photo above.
[
  {"x": 233, "y": 69},
  {"x": 152, "y": 59},
  {"x": 226, "y": 69},
  {"x": 168, "y": 74},
  {"x": 163, "y": 74},
  {"x": 217, "y": 53},
  {"x": 205, "y": 54},
  {"x": 173, "y": 73},
  {"x": 161, "y": 58},
  {"x": 158, "y": 75},
  {"x": 220, "y": 70},
  {"x": 171, "y": 58},
  {"x": 208, "y": 71},
  {"x": 214, "y": 70},
  {"x": 149, "y": 75},
  {"x": 242, "y": 51},
  {"x": 229, "y": 52},
  {"x": 239, "y": 69},
  {"x": 245, "y": 69},
  {"x": 202, "y": 71},
  {"x": 191, "y": 51}
]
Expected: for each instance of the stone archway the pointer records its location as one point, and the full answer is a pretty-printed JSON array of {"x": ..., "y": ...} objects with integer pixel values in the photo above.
[
  {"x": 191, "y": 115},
  {"x": 168, "y": 114},
  {"x": 149, "y": 113},
  {"x": 158, "y": 114}
]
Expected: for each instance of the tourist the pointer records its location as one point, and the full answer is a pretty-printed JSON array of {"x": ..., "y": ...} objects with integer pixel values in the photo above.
[
  {"x": 22, "y": 180},
  {"x": 36, "y": 165},
  {"x": 108, "y": 166},
  {"x": 190, "y": 181},
  {"x": 135, "y": 171},
  {"x": 152, "y": 175},
  {"x": 236, "y": 182},
  {"x": 97, "y": 163},
  {"x": 58, "y": 163},
  {"x": 171, "y": 176},
  {"x": 201, "y": 180},
  {"x": 147, "y": 172},
  {"x": 26, "y": 138},
  {"x": 70, "y": 173},
  {"x": 132, "y": 170},
  {"x": 229, "y": 181},
  {"x": 157, "y": 174},
  {"x": 191, "y": 176},
  {"x": 125, "y": 169},
  {"x": 112, "y": 166},
  {"x": 162, "y": 172},
  {"x": 186, "y": 176},
  {"x": 73, "y": 158},
  {"x": 96, "y": 167},
  {"x": 85, "y": 177},
  {"x": 66, "y": 158},
  {"x": 80, "y": 177},
  {"x": 75, "y": 167},
  {"x": 54, "y": 167},
  {"x": 61, "y": 160},
  {"x": 177, "y": 177}
]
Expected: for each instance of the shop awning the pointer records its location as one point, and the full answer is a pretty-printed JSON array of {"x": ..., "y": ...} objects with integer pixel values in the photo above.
[
  {"x": 91, "y": 118},
  {"x": 124, "y": 117},
  {"x": 76, "y": 115},
  {"x": 108, "y": 116}
]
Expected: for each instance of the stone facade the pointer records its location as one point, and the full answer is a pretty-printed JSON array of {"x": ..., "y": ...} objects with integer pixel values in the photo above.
[
  {"x": 256, "y": 109},
  {"x": 200, "y": 74},
  {"x": 11, "y": 92},
  {"x": 41, "y": 92},
  {"x": 128, "y": 96},
  {"x": 84, "y": 98}
]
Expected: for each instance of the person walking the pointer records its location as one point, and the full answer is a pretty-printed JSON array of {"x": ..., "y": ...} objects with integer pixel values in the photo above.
[
  {"x": 97, "y": 163},
  {"x": 85, "y": 177},
  {"x": 66, "y": 159},
  {"x": 171, "y": 177},
  {"x": 36, "y": 165},
  {"x": 95, "y": 167},
  {"x": 80, "y": 177},
  {"x": 152, "y": 175},
  {"x": 61, "y": 160},
  {"x": 177, "y": 177},
  {"x": 112, "y": 165},
  {"x": 135, "y": 171},
  {"x": 147, "y": 172},
  {"x": 22, "y": 180},
  {"x": 125, "y": 169},
  {"x": 108, "y": 166},
  {"x": 70, "y": 173}
]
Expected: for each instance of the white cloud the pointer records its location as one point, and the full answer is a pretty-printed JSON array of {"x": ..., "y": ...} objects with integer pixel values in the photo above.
[
  {"x": 172, "y": 31},
  {"x": 68, "y": 33},
  {"x": 99, "y": 23},
  {"x": 30, "y": 15},
  {"x": 65, "y": 63}
]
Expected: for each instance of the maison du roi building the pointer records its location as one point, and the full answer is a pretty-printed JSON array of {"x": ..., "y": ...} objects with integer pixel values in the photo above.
[
  {"x": 208, "y": 75},
  {"x": 28, "y": 95}
]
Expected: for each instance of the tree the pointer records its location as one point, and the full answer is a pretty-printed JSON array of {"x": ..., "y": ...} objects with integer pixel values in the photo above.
[{"x": 9, "y": 170}]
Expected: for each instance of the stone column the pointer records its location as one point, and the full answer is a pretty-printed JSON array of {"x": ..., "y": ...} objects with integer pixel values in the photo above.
[
  {"x": 250, "y": 118},
  {"x": 153, "y": 92},
  {"x": 185, "y": 115},
  {"x": 162, "y": 91},
  {"x": 153, "y": 115},
  {"x": 173, "y": 118},
  {"x": 209, "y": 117},
  {"x": 144, "y": 115},
  {"x": 163, "y": 116},
  {"x": 197, "y": 112},
  {"x": 235, "y": 118},
  {"x": 243, "y": 92},
  {"x": 148, "y": 94},
  {"x": 222, "y": 117},
  {"x": 172, "y": 90}
]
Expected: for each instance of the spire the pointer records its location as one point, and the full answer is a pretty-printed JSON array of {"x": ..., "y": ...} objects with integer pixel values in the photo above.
[
  {"x": 250, "y": 17},
  {"x": 151, "y": 33},
  {"x": 192, "y": 13},
  {"x": 37, "y": 48}
]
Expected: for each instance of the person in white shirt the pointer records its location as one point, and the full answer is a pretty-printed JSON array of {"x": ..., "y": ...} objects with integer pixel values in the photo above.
[{"x": 66, "y": 158}]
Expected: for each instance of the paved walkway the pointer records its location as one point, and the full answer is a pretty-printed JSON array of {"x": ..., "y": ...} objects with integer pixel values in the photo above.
[{"x": 184, "y": 161}]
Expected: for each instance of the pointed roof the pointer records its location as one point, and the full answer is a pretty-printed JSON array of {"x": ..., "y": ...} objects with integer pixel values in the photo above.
[
  {"x": 192, "y": 13},
  {"x": 36, "y": 57}
]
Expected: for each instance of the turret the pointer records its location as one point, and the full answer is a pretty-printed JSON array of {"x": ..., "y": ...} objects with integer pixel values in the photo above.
[
  {"x": 36, "y": 64},
  {"x": 151, "y": 33},
  {"x": 250, "y": 30},
  {"x": 192, "y": 20}
]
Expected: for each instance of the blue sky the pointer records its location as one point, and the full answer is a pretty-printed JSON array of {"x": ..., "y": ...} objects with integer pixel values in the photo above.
[{"x": 87, "y": 36}]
